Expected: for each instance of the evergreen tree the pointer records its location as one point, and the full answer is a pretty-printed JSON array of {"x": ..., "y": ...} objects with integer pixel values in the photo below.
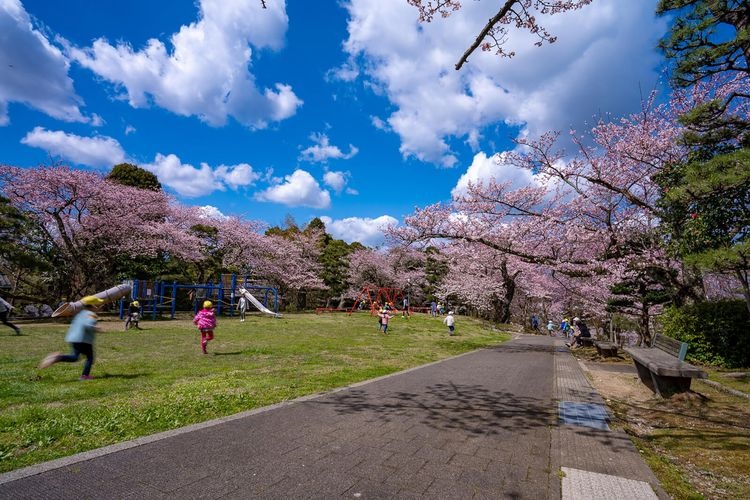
[
  {"x": 128, "y": 174},
  {"x": 707, "y": 37}
]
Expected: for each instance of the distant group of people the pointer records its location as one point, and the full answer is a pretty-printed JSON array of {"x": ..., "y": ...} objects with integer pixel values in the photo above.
[
  {"x": 384, "y": 315},
  {"x": 572, "y": 331},
  {"x": 437, "y": 308}
]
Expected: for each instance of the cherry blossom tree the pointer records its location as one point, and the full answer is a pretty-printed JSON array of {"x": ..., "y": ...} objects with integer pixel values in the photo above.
[
  {"x": 86, "y": 221},
  {"x": 370, "y": 268},
  {"x": 588, "y": 219},
  {"x": 482, "y": 278},
  {"x": 292, "y": 263},
  {"x": 521, "y": 14},
  {"x": 396, "y": 267}
]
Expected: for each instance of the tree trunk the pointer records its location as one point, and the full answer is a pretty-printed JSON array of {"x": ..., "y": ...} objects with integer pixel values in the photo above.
[
  {"x": 645, "y": 325},
  {"x": 500, "y": 310},
  {"x": 742, "y": 276},
  {"x": 509, "y": 283}
]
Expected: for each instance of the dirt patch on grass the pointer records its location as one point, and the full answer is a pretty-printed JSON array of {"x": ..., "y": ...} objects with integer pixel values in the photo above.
[{"x": 697, "y": 443}]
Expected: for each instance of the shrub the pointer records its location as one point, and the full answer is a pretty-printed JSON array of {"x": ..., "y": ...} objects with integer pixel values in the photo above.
[{"x": 717, "y": 333}]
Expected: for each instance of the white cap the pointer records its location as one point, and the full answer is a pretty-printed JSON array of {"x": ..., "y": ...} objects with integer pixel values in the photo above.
[
  {"x": 576, "y": 319},
  {"x": 450, "y": 312}
]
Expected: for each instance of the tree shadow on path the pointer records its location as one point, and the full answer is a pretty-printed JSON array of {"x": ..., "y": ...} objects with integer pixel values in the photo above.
[{"x": 448, "y": 406}]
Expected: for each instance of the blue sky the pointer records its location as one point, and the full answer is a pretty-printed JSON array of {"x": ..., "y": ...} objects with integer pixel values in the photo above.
[{"x": 350, "y": 110}]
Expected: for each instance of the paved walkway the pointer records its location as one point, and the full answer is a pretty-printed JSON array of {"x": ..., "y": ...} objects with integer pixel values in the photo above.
[{"x": 503, "y": 422}]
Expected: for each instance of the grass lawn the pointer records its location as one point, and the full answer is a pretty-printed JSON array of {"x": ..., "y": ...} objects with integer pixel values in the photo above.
[
  {"x": 697, "y": 445},
  {"x": 157, "y": 379}
]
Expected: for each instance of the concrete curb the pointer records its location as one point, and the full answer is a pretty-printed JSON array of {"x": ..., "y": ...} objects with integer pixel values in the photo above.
[{"x": 724, "y": 388}]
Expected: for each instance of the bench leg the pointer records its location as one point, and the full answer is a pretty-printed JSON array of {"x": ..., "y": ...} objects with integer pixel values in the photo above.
[
  {"x": 645, "y": 375},
  {"x": 666, "y": 386},
  {"x": 663, "y": 386}
]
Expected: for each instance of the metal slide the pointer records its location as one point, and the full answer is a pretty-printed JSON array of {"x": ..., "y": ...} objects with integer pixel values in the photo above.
[
  {"x": 249, "y": 296},
  {"x": 109, "y": 295}
]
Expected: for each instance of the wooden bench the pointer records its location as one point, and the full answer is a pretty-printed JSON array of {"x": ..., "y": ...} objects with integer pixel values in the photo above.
[
  {"x": 586, "y": 341},
  {"x": 661, "y": 367},
  {"x": 606, "y": 349}
]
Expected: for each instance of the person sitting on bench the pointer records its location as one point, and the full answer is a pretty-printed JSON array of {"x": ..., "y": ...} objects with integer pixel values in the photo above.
[{"x": 582, "y": 330}]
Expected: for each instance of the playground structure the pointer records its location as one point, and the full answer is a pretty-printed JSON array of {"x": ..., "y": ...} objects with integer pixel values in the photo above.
[
  {"x": 109, "y": 295},
  {"x": 261, "y": 307},
  {"x": 157, "y": 297},
  {"x": 374, "y": 298}
]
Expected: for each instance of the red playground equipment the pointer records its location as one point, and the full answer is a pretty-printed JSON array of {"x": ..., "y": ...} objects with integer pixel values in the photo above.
[{"x": 375, "y": 298}]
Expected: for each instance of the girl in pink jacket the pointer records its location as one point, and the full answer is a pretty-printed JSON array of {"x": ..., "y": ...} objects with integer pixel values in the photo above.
[{"x": 206, "y": 322}]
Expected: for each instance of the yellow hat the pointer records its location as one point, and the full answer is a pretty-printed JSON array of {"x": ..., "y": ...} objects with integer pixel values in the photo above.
[
  {"x": 207, "y": 304},
  {"x": 135, "y": 303},
  {"x": 90, "y": 300}
]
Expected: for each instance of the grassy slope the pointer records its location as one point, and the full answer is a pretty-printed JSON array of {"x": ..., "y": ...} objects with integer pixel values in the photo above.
[{"x": 156, "y": 379}]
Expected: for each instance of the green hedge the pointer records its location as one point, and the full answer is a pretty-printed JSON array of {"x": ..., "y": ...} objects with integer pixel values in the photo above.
[{"x": 717, "y": 333}]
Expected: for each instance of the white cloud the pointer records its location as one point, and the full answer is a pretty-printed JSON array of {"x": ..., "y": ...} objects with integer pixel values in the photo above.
[
  {"x": 98, "y": 151},
  {"x": 604, "y": 57},
  {"x": 129, "y": 129},
  {"x": 322, "y": 151},
  {"x": 483, "y": 168},
  {"x": 186, "y": 179},
  {"x": 191, "y": 181},
  {"x": 211, "y": 212},
  {"x": 298, "y": 189},
  {"x": 365, "y": 230},
  {"x": 97, "y": 121},
  {"x": 336, "y": 180},
  {"x": 237, "y": 176},
  {"x": 379, "y": 124},
  {"x": 204, "y": 70},
  {"x": 347, "y": 72},
  {"x": 34, "y": 72}
]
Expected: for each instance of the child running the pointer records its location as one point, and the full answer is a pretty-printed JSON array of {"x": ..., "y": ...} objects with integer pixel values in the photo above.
[
  {"x": 384, "y": 317},
  {"x": 205, "y": 320},
  {"x": 450, "y": 322},
  {"x": 81, "y": 336},
  {"x": 4, "y": 313}
]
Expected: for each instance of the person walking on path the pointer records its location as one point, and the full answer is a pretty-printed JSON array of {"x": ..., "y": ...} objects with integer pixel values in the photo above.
[
  {"x": 384, "y": 317},
  {"x": 242, "y": 307},
  {"x": 4, "y": 313},
  {"x": 551, "y": 328},
  {"x": 433, "y": 309},
  {"x": 205, "y": 320},
  {"x": 535, "y": 322},
  {"x": 405, "y": 313},
  {"x": 565, "y": 327},
  {"x": 81, "y": 335},
  {"x": 450, "y": 321}
]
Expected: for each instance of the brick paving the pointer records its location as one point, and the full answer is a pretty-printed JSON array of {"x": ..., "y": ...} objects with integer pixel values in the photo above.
[{"x": 480, "y": 425}]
